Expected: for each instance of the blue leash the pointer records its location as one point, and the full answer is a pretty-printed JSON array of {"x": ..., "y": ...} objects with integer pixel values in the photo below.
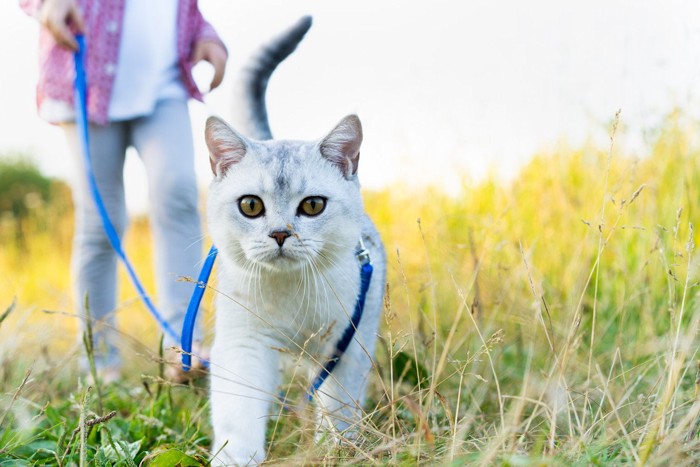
[
  {"x": 193, "y": 308},
  {"x": 82, "y": 122}
]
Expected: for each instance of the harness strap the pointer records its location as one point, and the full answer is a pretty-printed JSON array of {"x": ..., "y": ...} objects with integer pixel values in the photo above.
[
  {"x": 82, "y": 123},
  {"x": 366, "y": 270}
]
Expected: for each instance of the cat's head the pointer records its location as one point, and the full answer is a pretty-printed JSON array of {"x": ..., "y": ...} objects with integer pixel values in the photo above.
[{"x": 283, "y": 205}]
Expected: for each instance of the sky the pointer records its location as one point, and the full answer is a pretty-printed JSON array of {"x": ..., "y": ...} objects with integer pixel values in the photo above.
[{"x": 447, "y": 90}]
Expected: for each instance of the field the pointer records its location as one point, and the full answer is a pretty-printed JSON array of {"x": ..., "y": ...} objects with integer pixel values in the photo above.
[{"x": 549, "y": 320}]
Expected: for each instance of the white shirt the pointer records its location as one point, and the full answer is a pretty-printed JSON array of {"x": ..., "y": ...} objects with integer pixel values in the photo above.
[{"x": 147, "y": 69}]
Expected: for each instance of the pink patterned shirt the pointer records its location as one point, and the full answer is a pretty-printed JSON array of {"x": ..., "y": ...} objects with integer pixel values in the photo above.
[{"x": 103, "y": 26}]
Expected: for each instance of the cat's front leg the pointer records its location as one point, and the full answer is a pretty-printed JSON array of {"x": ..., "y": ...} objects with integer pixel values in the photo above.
[
  {"x": 244, "y": 377},
  {"x": 341, "y": 396}
]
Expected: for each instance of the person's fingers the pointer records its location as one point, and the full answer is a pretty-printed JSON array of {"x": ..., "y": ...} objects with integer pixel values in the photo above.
[
  {"x": 58, "y": 18},
  {"x": 76, "y": 19},
  {"x": 63, "y": 35},
  {"x": 214, "y": 54},
  {"x": 219, "y": 69}
]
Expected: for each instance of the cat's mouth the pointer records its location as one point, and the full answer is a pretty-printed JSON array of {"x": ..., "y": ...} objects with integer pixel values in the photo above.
[
  {"x": 288, "y": 257},
  {"x": 282, "y": 258}
]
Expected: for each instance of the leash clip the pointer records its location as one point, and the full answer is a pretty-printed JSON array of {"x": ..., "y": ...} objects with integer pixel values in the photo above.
[{"x": 362, "y": 254}]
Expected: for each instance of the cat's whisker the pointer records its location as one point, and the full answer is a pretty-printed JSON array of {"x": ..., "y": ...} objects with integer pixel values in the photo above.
[
  {"x": 315, "y": 277},
  {"x": 301, "y": 287},
  {"x": 199, "y": 239},
  {"x": 250, "y": 281},
  {"x": 308, "y": 289},
  {"x": 258, "y": 295},
  {"x": 325, "y": 308},
  {"x": 286, "y": 338},
  {"x": 345, "y": 279},
  {"x": 200, "y": 263},
  {"x": 334, "y": 262},
  {"x": 316, "y": 274}
]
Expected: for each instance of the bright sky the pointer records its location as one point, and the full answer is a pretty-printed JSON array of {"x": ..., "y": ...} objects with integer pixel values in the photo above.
[{"x": 444, "y": 88}]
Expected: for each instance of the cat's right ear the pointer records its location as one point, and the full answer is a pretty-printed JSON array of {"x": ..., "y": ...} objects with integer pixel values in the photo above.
[
  {"x": 342, "y": 145},
  {"x": 226, "y": 146}
]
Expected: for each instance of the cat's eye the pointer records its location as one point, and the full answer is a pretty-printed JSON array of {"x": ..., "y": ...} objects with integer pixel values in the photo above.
[
  {"x": 312, "y": 206},
  {"x": 251, "y": 206}
]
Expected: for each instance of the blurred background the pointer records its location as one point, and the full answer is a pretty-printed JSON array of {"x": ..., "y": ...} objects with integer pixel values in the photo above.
[
  {"x": 447, "y": 90},
  {"x": 489, "y": 121}
]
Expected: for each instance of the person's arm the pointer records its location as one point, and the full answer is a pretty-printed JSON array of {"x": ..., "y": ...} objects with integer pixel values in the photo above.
[{"x": 208, "y": 46}]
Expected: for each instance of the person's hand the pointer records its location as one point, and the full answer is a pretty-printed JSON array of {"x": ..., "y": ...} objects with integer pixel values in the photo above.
[
  {"x": 58, "y": 16},
  {"x": 214, "y": 53}
]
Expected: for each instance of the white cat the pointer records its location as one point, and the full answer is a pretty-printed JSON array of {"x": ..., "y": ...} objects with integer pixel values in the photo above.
[{"x": 287, "y": 217}]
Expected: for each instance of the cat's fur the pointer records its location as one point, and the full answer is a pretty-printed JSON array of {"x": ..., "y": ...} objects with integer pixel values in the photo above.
[{"x": 288, "y": 282}]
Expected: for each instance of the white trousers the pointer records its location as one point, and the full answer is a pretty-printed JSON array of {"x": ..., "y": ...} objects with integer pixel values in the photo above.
[{"x": 163, "y": 141}]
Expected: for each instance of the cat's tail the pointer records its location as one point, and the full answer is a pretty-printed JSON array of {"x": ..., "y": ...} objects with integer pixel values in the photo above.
[{"x": 251, "y": 110}]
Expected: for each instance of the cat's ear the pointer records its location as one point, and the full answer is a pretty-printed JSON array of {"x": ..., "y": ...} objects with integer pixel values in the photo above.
[
  {"x": 342, "y": 145},
  {"x": 226, "y": 146}
]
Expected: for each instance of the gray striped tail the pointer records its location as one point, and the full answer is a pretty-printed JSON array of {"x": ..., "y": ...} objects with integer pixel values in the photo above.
[{"x": 251, "y": 110}]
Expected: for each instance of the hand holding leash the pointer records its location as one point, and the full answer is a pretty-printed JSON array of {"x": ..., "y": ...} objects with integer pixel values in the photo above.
[{"x": 62, "y": 18}]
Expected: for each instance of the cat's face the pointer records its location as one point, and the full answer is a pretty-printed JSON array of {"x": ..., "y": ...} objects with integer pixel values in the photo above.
[{"x": 284, "y": 205}]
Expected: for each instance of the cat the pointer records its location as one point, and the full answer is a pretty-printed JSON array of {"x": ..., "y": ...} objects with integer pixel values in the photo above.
[{"x": 287, "y": 217}]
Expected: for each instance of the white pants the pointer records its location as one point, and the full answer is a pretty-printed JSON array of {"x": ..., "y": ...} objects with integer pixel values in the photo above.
[{"x": 163, "y": 141}]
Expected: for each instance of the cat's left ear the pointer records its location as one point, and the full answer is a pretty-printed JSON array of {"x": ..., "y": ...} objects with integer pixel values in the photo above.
[
  {"x": 342, "y": 145},
  {"x": 226, "y": 146}
]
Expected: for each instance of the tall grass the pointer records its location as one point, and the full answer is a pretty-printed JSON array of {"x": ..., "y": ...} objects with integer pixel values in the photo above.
[{"x": 550, "y": 320}]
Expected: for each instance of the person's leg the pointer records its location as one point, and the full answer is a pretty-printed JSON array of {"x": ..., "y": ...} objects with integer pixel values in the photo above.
[
  {"x": 94, "y": 262},
  {"x": 164, "y": 142}
]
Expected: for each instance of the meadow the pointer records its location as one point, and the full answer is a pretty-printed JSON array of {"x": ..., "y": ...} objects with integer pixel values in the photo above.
[{"x": 548, "y": 320}]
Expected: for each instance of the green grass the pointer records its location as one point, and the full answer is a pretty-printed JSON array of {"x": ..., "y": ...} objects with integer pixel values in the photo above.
[{"x": 550, "y": 320}]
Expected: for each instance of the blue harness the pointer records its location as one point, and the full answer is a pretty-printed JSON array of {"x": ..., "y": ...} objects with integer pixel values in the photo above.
[
  {"x": 366, "y": 269},
  {"x": 362, "y": 254}
]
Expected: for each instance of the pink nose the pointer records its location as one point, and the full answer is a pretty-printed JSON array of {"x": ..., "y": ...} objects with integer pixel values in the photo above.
[{"x": 280, "y": 236}]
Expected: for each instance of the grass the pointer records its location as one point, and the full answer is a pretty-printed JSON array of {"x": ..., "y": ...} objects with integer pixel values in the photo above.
[{"x": 550, "y": 320}]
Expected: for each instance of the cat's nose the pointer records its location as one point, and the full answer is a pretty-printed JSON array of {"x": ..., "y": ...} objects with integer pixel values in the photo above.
[{"x": 280, "y": 236}]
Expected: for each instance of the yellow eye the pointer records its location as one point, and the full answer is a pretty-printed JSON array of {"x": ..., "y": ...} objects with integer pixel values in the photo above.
[
  {"x": 251, "y": 206},
  {"x": 312, "y": 206}
]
